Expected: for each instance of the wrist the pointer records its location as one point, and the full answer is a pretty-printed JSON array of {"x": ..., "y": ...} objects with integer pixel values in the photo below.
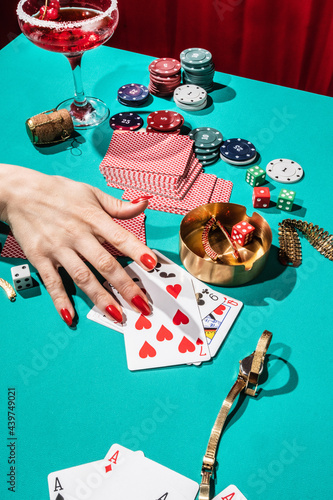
[{"x": 8, "y": 176}]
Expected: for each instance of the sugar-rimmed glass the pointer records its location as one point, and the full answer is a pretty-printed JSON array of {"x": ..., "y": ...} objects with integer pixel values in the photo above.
[{"x": 82, "y": 25}]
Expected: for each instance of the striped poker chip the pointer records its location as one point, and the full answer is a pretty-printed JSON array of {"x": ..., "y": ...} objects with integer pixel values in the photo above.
[
  {"x": 238, "y": 151},
  {"x": 196, "y": 57},
  {"x": 190, "y": 94},
  {"x": 284, "y": 170},
  {"x": 126, "y": 121},
  {"x": 165, "y": 66},
  {"x": 206, "y": 137},
  {"x": 165, "y": 120},
  {"x": 133, "y": 92}
]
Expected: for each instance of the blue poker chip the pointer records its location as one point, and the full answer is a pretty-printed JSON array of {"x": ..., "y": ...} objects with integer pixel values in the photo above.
[
  {"x": 238, "y": 150},
  {"x": 126, "y": 121},
  {"x": 133, "y": 92}
]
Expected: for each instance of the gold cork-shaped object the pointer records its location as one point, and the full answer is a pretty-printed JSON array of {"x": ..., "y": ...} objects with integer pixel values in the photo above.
[
  {"x": 50, "y": 127},
  {"x": 226, "y": 270}
]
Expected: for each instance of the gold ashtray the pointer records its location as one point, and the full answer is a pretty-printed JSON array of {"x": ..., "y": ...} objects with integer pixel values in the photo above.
[{"x": 226, "y": 270}]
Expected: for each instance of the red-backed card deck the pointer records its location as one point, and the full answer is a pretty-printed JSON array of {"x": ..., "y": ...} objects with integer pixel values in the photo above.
[
  {"x": 12, "y": 249},
  {"x": 122, "y": 475},
  {"x": 160, "y": 188},
  {"x": 155, "y": 153},
  {"x": 217, "y": 313},
  {"x": 199, "y": 194},
  {"x": 230, "y": 493}
]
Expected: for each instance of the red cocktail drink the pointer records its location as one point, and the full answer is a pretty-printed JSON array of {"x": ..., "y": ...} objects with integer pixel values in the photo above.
[{"x": 71, "y": 28}]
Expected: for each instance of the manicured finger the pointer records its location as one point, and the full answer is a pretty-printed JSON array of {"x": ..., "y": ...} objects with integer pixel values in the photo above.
[
  {"x": 54, "y": 285},
  {"x": 125, "y": 241},
  {"x": 88, "y": 283},
  {"x": 113, "y": 272},
  {"x": 122, "y": 209}
]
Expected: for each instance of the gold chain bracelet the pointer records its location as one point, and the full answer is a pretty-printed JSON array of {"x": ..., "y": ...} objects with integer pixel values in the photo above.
[
  {"x": 10, "y": 292},
  {"x": 290, "y": 252}
]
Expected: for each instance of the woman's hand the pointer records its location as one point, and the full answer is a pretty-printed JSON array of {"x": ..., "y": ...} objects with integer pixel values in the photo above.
[{"x": 56, "y": 219}]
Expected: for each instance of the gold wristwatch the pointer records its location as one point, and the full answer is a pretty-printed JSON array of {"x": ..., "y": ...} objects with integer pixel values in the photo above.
[{"x": 248, "y": 377}]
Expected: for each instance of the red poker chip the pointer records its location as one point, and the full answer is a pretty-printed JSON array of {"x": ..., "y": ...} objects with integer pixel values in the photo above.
[
  {"x": 165, "y": 66},
  {"x": 152, "y": 130},
  {"x": 165, "y": 79},
  {"x": 165, "y": 120}
]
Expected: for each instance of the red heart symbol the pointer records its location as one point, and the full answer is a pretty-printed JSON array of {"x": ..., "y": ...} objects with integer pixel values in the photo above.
[
  {"x": 147, "y": 350},
  {"x": 174, "y": 290},
  {"x": 164, "y": 334},
  {"x": 199, "y": 341},
  {"x": 142, "y": 322},
  {"x": 220, "y": 309},
  {"x": 186, "y": 345},
  {"x": 180, "y": 318}
]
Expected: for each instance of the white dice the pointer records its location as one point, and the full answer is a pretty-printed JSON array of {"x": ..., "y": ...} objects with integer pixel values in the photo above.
[{"x": 21, "y": 277}]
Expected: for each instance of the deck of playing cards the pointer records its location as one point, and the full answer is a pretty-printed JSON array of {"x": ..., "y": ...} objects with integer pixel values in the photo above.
[
  {"x": 122, "y": 475},
  {"x": 136, "y": 226},
  {"x": 163, "y": 165},
  {"x": 188, "y": 323}
]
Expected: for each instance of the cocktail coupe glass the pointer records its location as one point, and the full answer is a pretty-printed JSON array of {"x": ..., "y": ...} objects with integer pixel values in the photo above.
[{"x": 81, "y": 25}]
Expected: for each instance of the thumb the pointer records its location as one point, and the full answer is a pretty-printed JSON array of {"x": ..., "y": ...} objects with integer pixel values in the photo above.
[{"x": 119, "y": 208}]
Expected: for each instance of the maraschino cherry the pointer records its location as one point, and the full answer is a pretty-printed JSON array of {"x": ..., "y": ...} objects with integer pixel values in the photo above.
[{"x": 50, "y": 11}]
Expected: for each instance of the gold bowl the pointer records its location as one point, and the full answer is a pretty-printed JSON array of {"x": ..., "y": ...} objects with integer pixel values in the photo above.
[{"x": 227, "y": 270}]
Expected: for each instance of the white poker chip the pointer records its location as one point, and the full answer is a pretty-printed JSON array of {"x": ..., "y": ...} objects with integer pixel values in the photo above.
[
  {"x": 285, "y": 171},
  {"x": 237, "y": 163},
  {"x": 192, "y": 105},
  {"x": 186, "y": 107},
  {"x": 190, "y": 94}
]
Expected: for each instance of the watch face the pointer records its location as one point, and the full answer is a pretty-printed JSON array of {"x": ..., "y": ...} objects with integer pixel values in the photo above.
[{"x": 246, "y": 364}]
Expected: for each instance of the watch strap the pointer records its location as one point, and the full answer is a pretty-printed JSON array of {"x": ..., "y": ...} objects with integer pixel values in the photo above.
[
  {"x": 210, "y": 455},
  {"x": 258, "y": 359},
  {"x": 241, "y": 383}
]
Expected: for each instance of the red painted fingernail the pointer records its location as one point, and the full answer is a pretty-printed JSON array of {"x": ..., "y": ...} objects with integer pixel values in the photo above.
[
  {"x": 142, "y": 198},
  {"x": 148, "y": 261},
  {"x": 143, "y": 307},
  {"x": 115, "y": 313},
  {"x": 66, "y": 317}
]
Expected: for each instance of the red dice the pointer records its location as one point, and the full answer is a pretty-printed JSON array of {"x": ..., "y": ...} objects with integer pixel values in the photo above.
[
  {"x": 242, "y": 233},
  {"x": 261, "y": 197}
]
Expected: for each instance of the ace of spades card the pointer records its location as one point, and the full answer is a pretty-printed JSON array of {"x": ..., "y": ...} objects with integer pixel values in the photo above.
[{"x": 173, "y": 334}]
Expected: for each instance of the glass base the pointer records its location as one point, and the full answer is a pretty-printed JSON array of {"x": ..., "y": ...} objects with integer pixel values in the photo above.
[{"x": 92, "y": 113}]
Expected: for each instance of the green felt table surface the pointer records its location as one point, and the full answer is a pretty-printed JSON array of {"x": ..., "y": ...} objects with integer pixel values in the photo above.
[{"x": 74, "y": 393}]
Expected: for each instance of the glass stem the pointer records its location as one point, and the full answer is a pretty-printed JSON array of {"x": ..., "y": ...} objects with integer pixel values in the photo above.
[{"x": 75, "y": 62}]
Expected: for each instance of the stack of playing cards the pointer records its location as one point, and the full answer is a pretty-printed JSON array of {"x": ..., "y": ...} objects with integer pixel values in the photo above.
[
  {"x": 12, "y": 249},
  {"x": 163, "y": 165},
  {"x": 188, "y": 324},
  {"x": 122, "y": 475}
]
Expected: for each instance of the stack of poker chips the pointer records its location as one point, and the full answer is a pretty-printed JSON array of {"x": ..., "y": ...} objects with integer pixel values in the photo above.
[
  {"x": 207, "y": 142},
  {"x": 164, "y": 166},
  {"x": 198, "y": 68},
  {"x": 133, "y": 94},
  {"x": 126, "y": 121},
  {"x": 190, "y": 97},
  {"x": 165, "y": 76},
  {"x": 238, "y": 152},
  {"x": 165, "y": 121}
]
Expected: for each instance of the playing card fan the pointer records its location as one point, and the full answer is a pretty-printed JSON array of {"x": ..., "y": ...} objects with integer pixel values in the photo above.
[{"x": 188, "y": 324}]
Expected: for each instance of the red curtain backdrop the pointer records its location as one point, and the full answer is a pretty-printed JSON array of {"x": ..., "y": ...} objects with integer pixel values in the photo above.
[{"x": 287, "y": 42}]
